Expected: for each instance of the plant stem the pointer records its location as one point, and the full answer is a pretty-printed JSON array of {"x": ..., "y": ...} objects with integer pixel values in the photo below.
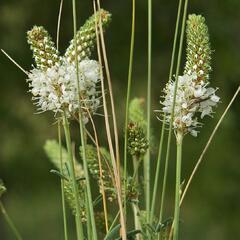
[
  {"x": 73, "y": 178},
  {"x": 170, "y": 128},
  {"x": 127, "y": 101},
  {"x": 136, "y": 163},
  {"x": 147, "y": 157},
  {"x": 157, "y": 169},
  {"x": 10, "y": 222},
  {"x": 103, "y": 192},
  {"x": 81, "y": 128},
  {"x": 114, "y": 221},
  {"x": 178, "y": 185},
  {"x": 62, "y": 183},
  {"x": 115, "y": 162}
]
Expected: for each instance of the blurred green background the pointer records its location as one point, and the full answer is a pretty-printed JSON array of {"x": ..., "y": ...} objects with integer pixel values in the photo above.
[{"x": 211, "y": 209}]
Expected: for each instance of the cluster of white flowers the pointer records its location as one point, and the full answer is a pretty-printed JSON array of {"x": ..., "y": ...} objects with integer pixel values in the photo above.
[
  {"x": 56, "y": 89},
  {"x": 194, "y": 100}
]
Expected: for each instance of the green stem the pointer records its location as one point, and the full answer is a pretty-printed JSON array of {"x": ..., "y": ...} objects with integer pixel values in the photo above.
[
  {"x": 114, "y": 221},
  {"x": 135, "y": 207},
  {"x": 81, "y": 128},
  {"x": 79, "y": 227},
  {"x": 157, "y": 169},
  {"x": 147, "y": 157},
  {"x": 89, "y": 229},
  {"x": 10, "y": 222},
  {"x": 62, "y": 184},
  {"x": 174, "y": 98},
  {"x": 127, "y": 100},
  {"x": 178, "y": 185}
]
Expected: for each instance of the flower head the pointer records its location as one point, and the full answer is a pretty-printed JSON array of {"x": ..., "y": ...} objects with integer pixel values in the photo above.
[
  {"x": 194, "y": 101},
  {"x": 56, "y": 89}
]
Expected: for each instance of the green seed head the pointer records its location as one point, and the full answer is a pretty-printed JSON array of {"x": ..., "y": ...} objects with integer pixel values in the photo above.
[
  {"x": 86, "y": 36},
  {"x": 44, "y": 52},
  {"x": 198, "y": 48},
  {"x": 137, "y": 142}
]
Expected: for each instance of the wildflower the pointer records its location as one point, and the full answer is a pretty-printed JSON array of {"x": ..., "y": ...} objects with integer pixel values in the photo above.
[
  {"x": 192, "y": 98},
  {"x": 56, "y": 89}
]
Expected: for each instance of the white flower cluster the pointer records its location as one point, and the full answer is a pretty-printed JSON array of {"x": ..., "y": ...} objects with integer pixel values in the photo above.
[
  {"x": 193, "y": 98},
  {"x": 56, "y": 89}
]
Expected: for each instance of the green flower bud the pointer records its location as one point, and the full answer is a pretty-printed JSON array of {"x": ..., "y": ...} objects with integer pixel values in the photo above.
[
  {"x": 86, "y": 37},
  {"x": 198, "y": 48},
  {"x": 44, "y": 52},
  {"x": 137, "y": 142}
]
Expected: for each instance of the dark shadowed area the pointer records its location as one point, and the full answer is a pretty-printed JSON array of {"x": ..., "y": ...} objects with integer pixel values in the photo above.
[{"x": 211, "y": 209}]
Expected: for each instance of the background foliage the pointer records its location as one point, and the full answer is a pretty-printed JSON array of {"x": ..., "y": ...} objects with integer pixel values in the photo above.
[{"x": 211, "y": 209}]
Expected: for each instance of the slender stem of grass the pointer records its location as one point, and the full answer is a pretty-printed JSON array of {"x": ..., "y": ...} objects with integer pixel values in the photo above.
[
  {"x": 170, "y": 129},
  {"x": 155, "y": 187},
  {"x": 59, "y": 22},
  {"x": 115, "y": 161},
  {"x": 89, "y": 228},
  {"x": 178, "y": 184},
  {"x": 79, "y": 227},
  {"x": 207, "y": 145},
  {"x": 178, "y": 165},
  {"x": 128, "y": 99},
  {"x": 100, "y": 172},
  {"x": 62, "y": 183},
  {"x": 81, "y": 128},
  {"x": 60, "y": 138},
  {"x": 149, "y": 83},
  {"x": 10, "y": 222},
  {"x": 136, "y": 163},
  {"x": 88, "y": 188},
  {"x": 114, "y": 221}
]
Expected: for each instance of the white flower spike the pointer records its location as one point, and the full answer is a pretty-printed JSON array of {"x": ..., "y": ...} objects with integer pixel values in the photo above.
[{"x": 56, "y": 89}]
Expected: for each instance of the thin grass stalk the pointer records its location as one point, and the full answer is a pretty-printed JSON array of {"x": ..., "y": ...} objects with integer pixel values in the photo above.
[
  {"x": 135, "y": 205},
  {"x": 117, "y": 179},
  {"x": 178, "y": 164},
  {"x": 60, "y": 138},
  {"x": 62, "y": 183},
  {"x": 14, "y": 62},
  {"x": 10, "y": 222},
  {"x": 155, "y": 187},
  {"x": 114, "y": 221},
  {"x": 149, "y": 83},
  {"x": 170, "y": 128},
  {"x": 127, "y": 100},
  {"x": 79, "y": 226},
  {"x": 88, "y": 223},
  {"x": 115, "y": 128},
  {"x": 100, "y": 172},
  {"x": 178, "y": 184},
  {"x": 81, "y": 128},
  {"x": 59, "y": 22},
  {"x": 208, "y": 144}
]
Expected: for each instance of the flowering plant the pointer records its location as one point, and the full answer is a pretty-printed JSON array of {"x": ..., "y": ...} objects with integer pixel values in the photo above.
[{"x": 73, "y": 86}]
